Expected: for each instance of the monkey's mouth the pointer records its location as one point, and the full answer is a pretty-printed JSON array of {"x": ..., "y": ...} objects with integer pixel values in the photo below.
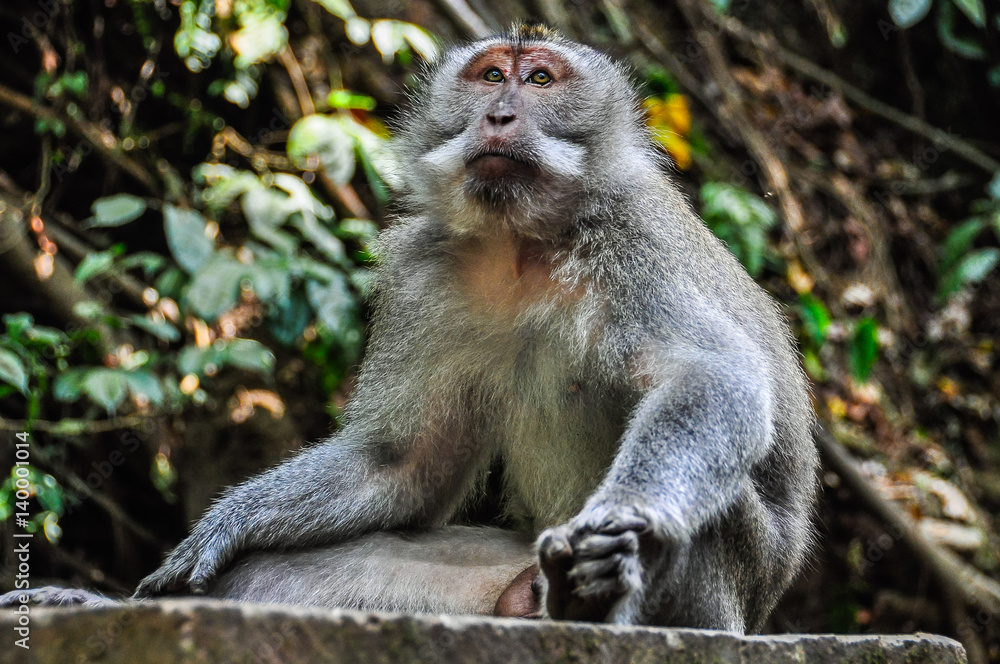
[{"x": 497, "y": 165}]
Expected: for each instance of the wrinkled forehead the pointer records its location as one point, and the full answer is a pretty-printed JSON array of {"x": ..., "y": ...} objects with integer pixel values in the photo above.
[{"x": 470, "y": 56}]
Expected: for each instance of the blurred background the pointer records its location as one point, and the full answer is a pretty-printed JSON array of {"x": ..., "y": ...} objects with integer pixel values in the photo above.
[{"x": 188, "y": 190}]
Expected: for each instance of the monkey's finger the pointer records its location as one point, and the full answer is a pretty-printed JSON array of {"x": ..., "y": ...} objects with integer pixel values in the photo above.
[
  {"x": 621, "y": 521},
  {"x": 148, "y": 587},
  {"x": 555, "y": 548},
  {"x": 602, "y": 546},
  {"x": 588, "y": 571},
  {"x": 555, "y": 556},
  {"x": 202, "y": 574},
  {"x": 604, "y": 587}
]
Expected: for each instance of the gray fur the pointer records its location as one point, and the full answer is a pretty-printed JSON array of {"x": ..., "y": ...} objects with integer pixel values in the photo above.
[
  {"x": 655, "y": 427},
  {"x": 456, "y": 569},
  {"x": 450, "y": 570}
]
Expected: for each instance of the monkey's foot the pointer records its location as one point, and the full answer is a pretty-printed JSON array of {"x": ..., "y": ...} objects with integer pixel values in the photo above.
[{"x": 591, "y": 564}]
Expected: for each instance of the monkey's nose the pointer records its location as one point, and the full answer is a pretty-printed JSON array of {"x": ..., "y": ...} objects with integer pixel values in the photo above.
[{"x": 501, "y": 118}]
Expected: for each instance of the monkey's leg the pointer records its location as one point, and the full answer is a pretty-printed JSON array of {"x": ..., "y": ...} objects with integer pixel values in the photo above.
[
  {"x": 455, "y": 569},
  {"x": 684, "y": 461}
]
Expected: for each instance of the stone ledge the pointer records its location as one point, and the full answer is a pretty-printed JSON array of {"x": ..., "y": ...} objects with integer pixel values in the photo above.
[{"x": 199, "y": 631}]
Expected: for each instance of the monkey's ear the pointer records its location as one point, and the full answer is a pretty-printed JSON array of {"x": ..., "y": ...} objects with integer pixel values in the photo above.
[{"x": 532, "y": 30}]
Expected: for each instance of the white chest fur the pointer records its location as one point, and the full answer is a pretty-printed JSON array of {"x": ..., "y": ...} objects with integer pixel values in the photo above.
[{"x": 529, "y": 322}]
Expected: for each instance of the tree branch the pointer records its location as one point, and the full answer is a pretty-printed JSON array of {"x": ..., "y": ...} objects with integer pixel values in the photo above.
[
  {"x": 970, "y": 584},
  {"x": 913, "y": 124}
]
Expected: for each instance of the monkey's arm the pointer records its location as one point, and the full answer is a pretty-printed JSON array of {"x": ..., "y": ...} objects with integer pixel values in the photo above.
[
  {"x": 336, "y": 490},
  {"x": 685, "y": 458},
  {"x": 693, "y": 439}
]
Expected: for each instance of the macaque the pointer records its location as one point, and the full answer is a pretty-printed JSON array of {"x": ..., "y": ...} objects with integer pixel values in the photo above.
[{"x": 549, "y": 300}]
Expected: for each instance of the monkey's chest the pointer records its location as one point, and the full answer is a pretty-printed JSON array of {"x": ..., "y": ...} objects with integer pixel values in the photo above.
[
  {"x": 531, "y": 342},
  {"x": 503, "y": 276},
  {"x": 557, "y": 433}
]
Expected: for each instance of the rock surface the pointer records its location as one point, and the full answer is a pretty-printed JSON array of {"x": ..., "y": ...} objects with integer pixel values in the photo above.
[{"x": 196, "y": 631}]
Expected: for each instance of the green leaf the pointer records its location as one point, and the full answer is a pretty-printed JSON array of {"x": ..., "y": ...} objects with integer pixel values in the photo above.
[
  {"x": 974, "y": 9},
  {"x": 907, "y": 13},
  {"x": 193, "y": 360},
  {"x": 357, "y": 229},
  {"x": 17, "y": 324},
  {"x": 69, "y": 385},
  {"x": 248, "y": 354},
  {"x": 959, "y": 240},
  {"x": 391, "y": 37},
  {"x": 162, "y": 330},
  {"x": 348, "y": 99},
  {"x": 864, "y": 349},
  {"x": 269, "y": 279},
  {"x": 740, "y": 219},
  {"x": 289, "y": 318},
  {"x": 358, "y": 30},
  {"x": 815, "y": 318},
  {"x": 145, "y": 383},
  {"x": 226, "y": 184},
  {"x": 243, "y": 353},
  {"x": 185, "y": 230},
  {"x": 321, "y": 238},
  {"x": 324, "y": 138},
  {"x": 215, "y": 288},
  {"x": 75, "y": 82},
  {"x": 993, "y": 188},
  {"x": 147, "y": 260},
  {"x": 48, "y": 336},
  {"x": 94, "y": 265},
  {"x": 973, "y": 268},
  {"x": 12, "y": 371},
  {"x": 261, "y": 37},
  {"x": 171, "y": 283},
  {"x": 963, "y": 46},
  {"x": 265, "y": 210},
  {"x": 340, "y": 8},
  {"x": 813, "y": 365},
  {"x": 334, "y": 304},
  {"x": 115, "y": 210},
  {"x": 90, "y": 310},
  {"x": 993, "y": 74},
  {"x": 373, "y": 175},
  {"x": 106, "y": 387}
]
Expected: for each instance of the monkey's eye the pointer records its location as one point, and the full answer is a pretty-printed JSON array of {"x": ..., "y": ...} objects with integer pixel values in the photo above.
[
  {"x": 540, "y": 77},
  {"x": 493, "y": 75}
]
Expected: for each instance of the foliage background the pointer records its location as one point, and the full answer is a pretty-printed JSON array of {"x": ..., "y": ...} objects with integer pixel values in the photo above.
[{"x": 189, "y": 189}]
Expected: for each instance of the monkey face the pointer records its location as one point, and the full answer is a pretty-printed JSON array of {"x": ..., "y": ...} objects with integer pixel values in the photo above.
[{"x": 509, "y": 128}]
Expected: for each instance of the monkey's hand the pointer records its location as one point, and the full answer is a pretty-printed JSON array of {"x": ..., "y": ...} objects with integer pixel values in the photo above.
[
  {"x": 594, "y": 565},
  {"x": 190, "y": 566}
]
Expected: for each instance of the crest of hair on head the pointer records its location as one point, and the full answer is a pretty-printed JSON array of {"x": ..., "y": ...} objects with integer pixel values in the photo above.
[{"x": 527, "y": 31}]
